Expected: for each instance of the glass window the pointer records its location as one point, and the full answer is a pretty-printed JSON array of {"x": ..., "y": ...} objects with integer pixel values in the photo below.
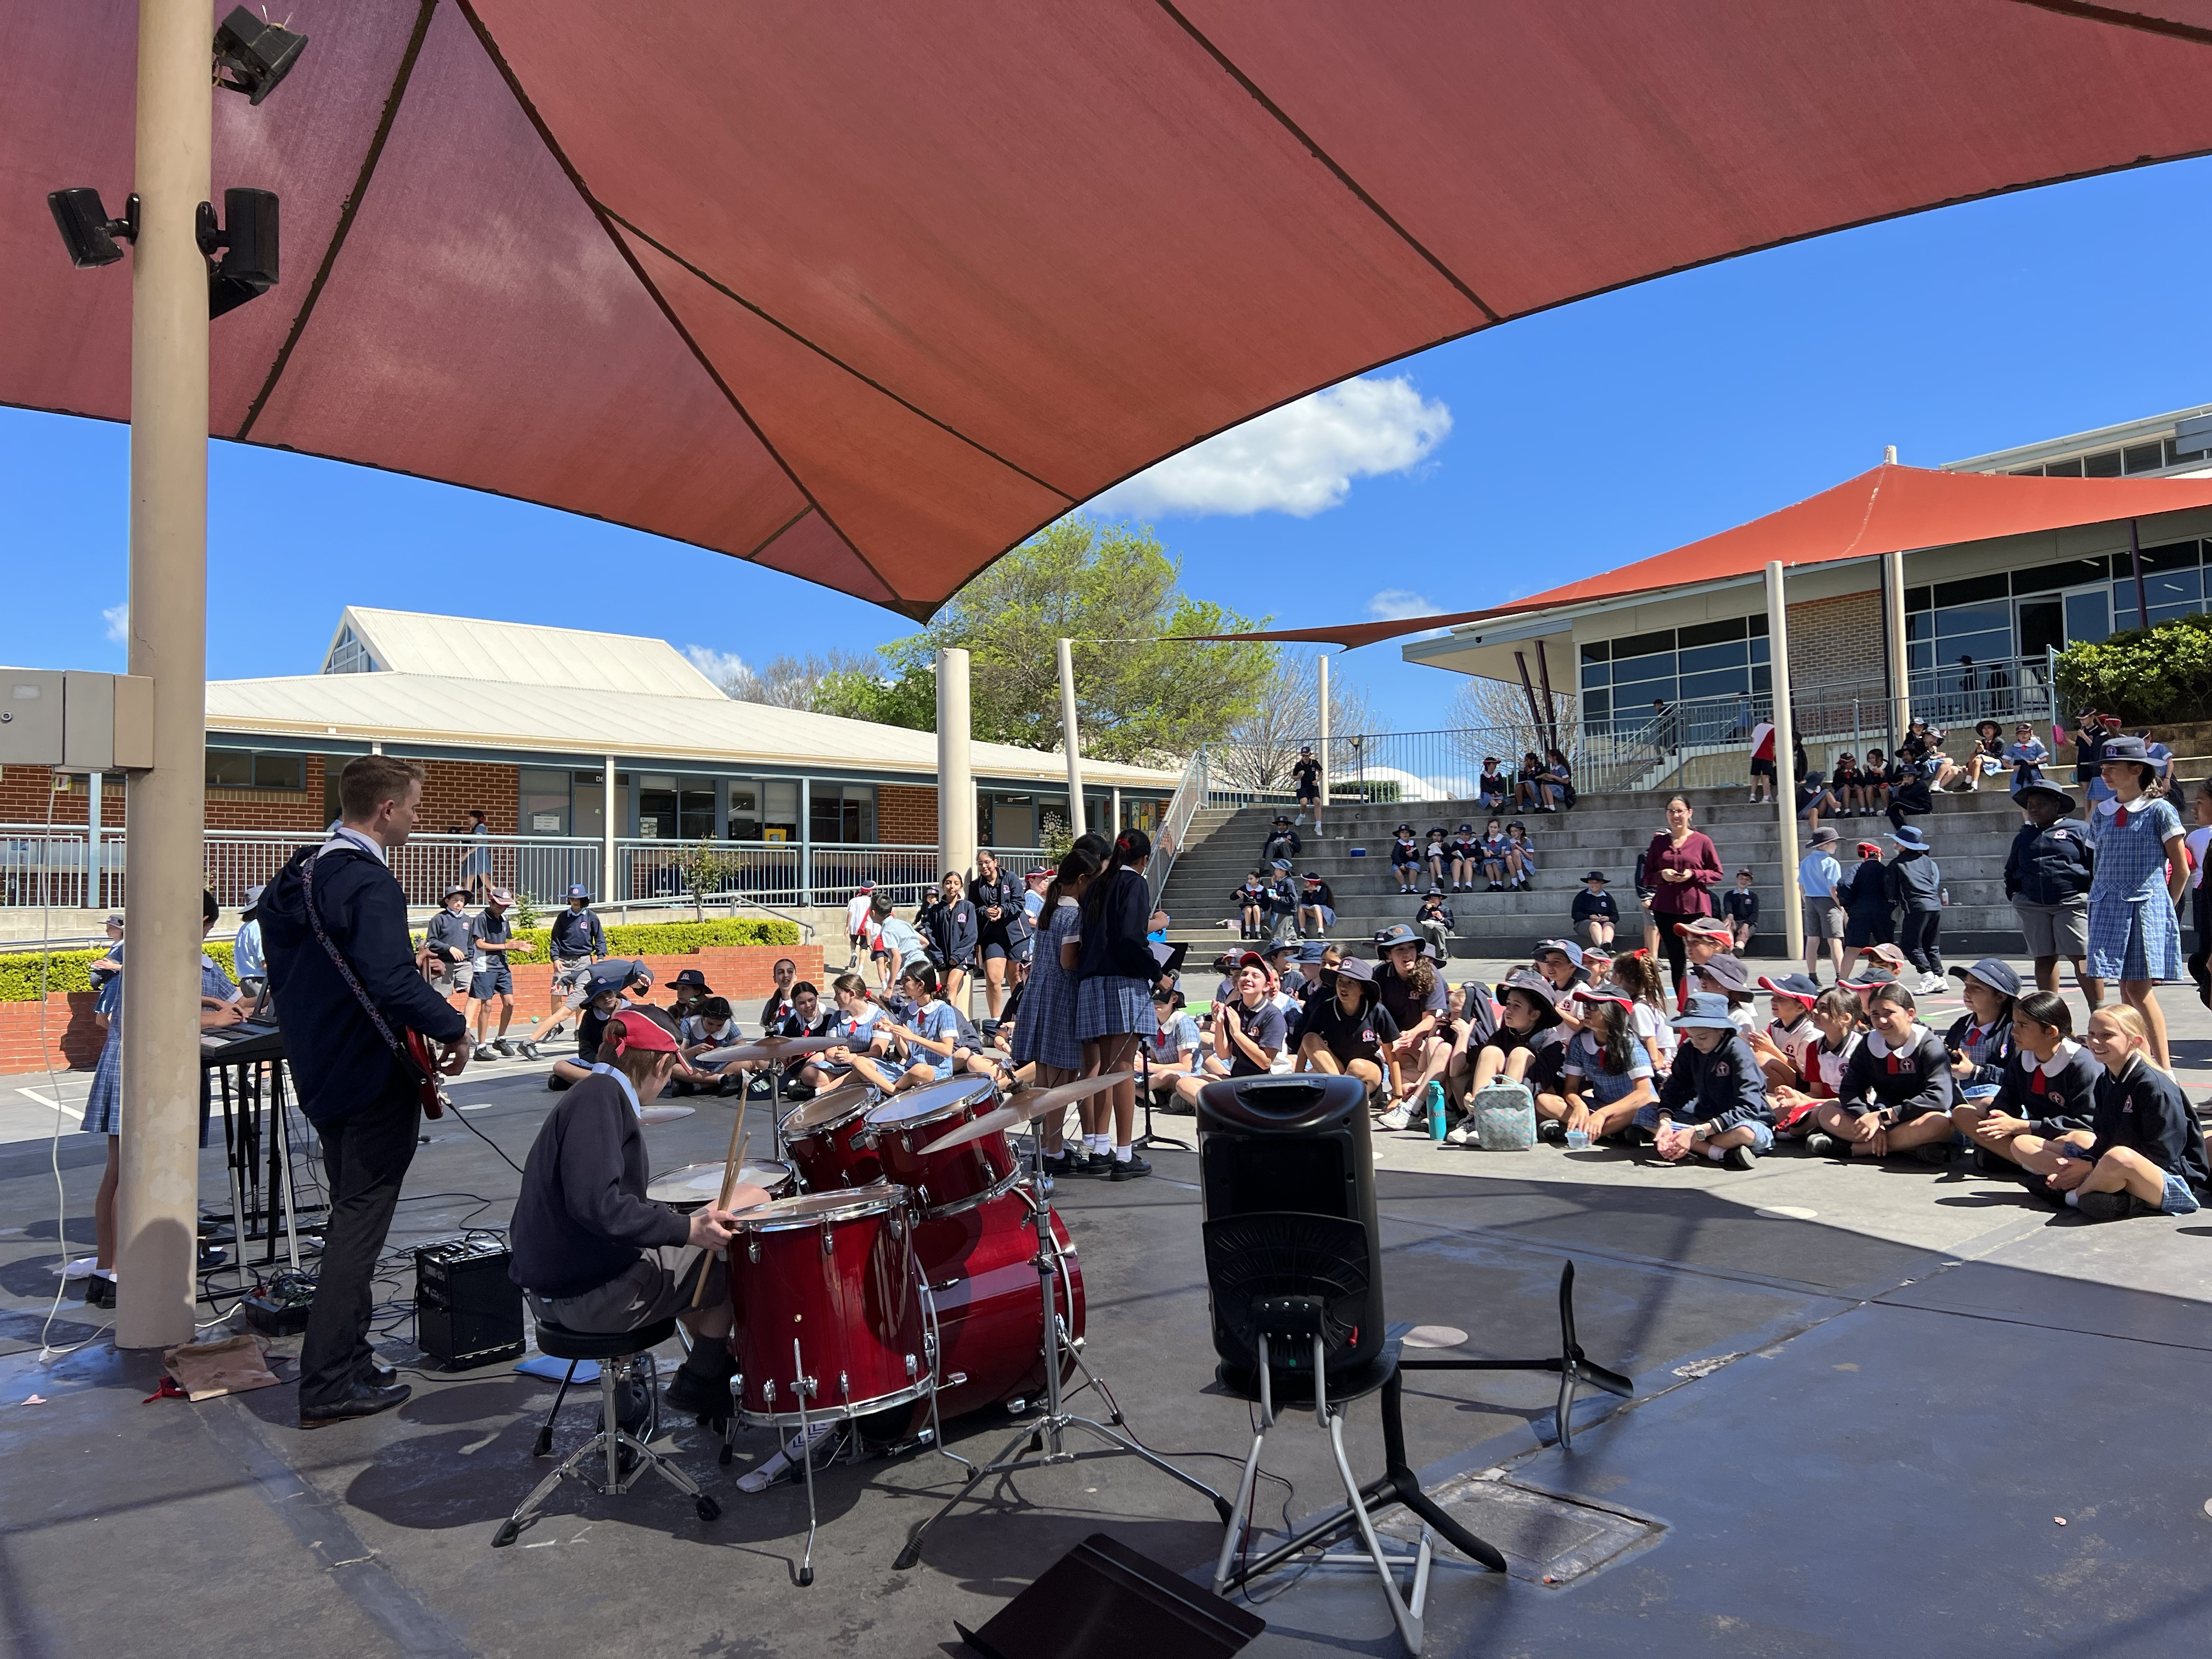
[
  {"x": 2143, "y": 458},
  {"x": 1974, "y": 590},
  {"x": 2104, "y": 464},
  {"x": 1977, "y": 647},
  {"x": 276, "y": 771},
  {"x": 779, "y": 808},
  {"x": 2063, "y": 468},
  {"x": 1596, "y": 673},
  {"x": 1920, "y": 624},
  {"x": 1597, "y": 651},
  {"x": 1759, "y": 625},
  {"x": 2173, "y": 556},
  {"x": 2167, "y": 594},
  {"x": 1644, "y": 645},
  {"x": 1597, "y": 708},
  {"x": 2026, "y": 473},
  {"x": 2072, "y": 572},
  {"x": 1723, "y": 682},
  {"x": 1762, "y": 679},
  {"x": 1711, "y": 632},
  {"x": 2086, "y": 617},
  {"x": 1918, "y": 598},
  {"x": 1759, "y": 649},
  {"x": 744, "y": 810},
  {"x": 1972, "y": 619},
  {"x": 1628, "y": 700},
  {"x": 543, "y": 799},
  {"x": 240, "y": 768},
  {"x": 842, "y": 812},
  {"x": 1703, "y": 658},
  {"x": 349, "y": 656},
  {"x": 229, "y": 768},
  {"x": 1920, "y": 653}
]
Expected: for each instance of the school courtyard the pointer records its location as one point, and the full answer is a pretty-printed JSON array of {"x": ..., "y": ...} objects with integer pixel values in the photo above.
[{"x": 1879, "y": 1409}]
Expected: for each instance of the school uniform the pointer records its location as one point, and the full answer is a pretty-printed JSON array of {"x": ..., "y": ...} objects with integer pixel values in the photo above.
[
  {"x": 1585, "y": 1061},
  {"x": 103, "y": 1107},
  {"x": 1914, "y": 882},
  {"x": 2054, "y": 1097},
  {"x": 1867, "y": 910},
  {"x": 1003, "y": 938},
  {"x": 951, "y": 930},
  {"x": 1717, "y": 1091},
  {"x": 1908, "y": 792},
  {"x": 1265, "y": 1024},
  {"x": 2133, "y": 930},
  {"x": 1045, "y": 1034},
  {"x": 1989, "y": 1047},
  {"x": 1175, "y": 1044},
  {"x": 1494, "y": 857},
  {"x": 895, "y": 933},
  {"x": 2048, "y": 872},
  {"x": 1741, "y": 906},
  {"x": 2144, "y": 1110},
  {"x": 1360, "y": 1034},
  {"x": 1797, "y": 1042},
  {"x": 1547, "y": 1054},
  {"x": 1435, "y": 924},
  {"x": 1405, "y": 860},
  {"x": 1593, "y": 907},
  {"x": 1435, "y": 853},
  {"x": 1903, "y": 1083},
  {"x": 489, "y": 976},
  {"x": 2027, "y": 759},
  {"x": 1320, "y": 897},
  {"x": 939, "y": 1023},
  {"x": 1493, "y": 788},
  {"x": 1282, "y": 906},
  {"x": 1117, "y": 968}
]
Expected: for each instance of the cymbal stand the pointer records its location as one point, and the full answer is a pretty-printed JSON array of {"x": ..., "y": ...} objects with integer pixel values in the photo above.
[{"x": 1045, "y": 1436}]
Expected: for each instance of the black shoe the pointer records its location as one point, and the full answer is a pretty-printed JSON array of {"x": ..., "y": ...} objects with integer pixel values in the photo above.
[
  {"x": 2103, "y": 1207},
  {"x": 634, "y": 1407},
  {"x": 699, "y": 1390},
  {"x": 1094, "y": 1164},
  {"x": 377, "y": 1375},
  {"x": 556, "y": 1083},
  {"x": 1823, "y": 1146},
  {"x": 1989, "y": 1163},
  {"x": 1060, "y": 1164},
  {"x": 1935, "y": 1154},
  {"x": 99, "y": 1292},
  {"x": 529, "y": 1050},
  {"x": 1553, "y": 1130},
  {"x": 362, "y": 1400},
  {"x": 1739, "y": 1158},
  {"x": 1131, "y": 1167}
]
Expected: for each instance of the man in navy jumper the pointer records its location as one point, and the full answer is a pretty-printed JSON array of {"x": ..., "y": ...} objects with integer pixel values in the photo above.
[{"x": 360, "y": 1093}]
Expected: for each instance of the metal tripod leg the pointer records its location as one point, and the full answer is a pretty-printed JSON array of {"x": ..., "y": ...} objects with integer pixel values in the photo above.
[
  {"x": 1149, "y": 1139},
  {"x": 1407, "y": 1617}
]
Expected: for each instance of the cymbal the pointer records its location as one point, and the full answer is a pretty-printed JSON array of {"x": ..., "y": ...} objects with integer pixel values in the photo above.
[
  {"x": 652, "y": 1114},
  {"x": 1024, "y": 1107},
  {"x": 768, "y": 1048}
]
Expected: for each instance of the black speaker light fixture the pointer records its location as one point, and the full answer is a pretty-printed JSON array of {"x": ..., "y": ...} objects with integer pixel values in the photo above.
[{"x": 256, "y": 52}]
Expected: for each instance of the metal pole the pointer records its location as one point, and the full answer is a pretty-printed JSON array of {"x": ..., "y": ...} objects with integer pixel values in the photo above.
[
  {"x": 1900, "y": 676},
  {"x": 2134, "y": 557},
  {"x": 1117, "y": 809},
  {"x": 806, "y": 841},
  {"x": 1069, "y": 740},
  {"x": 608, "y": 830},
  {"x": 1322, "y": 752},
  {"x": 956, "y": 777},
  {"x": 92, "y": 848},
  {"x": 1785, "y": 750},
  {"x": 159, "y": 1194}
]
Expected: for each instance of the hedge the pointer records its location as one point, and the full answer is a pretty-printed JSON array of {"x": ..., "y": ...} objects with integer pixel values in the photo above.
[
  {"x": 72, "y": 971},
  {"x": 2145, "y": 676}
]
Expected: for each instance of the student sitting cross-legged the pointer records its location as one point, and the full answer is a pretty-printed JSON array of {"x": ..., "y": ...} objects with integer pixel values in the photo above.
[
  {"x": 1346, "y": 1029},
  {"x": 1607, "y": 1076},
  {"x": 1714, "y": 1105},
  {"x": 1248, "y": 1031},
  {"x": 1898, "y": 1087},
  {"x": 2143, "y": 1154},
  {"x": 2046, "y": 1090}
]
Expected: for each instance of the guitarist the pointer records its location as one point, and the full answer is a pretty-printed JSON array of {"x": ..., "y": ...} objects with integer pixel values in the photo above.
[{"x": 344, "y": 974}]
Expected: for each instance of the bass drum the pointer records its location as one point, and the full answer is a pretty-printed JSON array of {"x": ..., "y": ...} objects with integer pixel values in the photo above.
[{"x": 979, "y": 1271}]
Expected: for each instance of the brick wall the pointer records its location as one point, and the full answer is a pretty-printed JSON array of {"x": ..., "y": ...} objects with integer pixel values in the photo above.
[
  {"x": 73, "y": 1041},
  {"x": 452, "y": 787},
  {"x": 906, "y": 815},
  {"x": 298, "y": 812},
  {"x": 24, "y": 789},
  {"x": 1836, "y": 641}
]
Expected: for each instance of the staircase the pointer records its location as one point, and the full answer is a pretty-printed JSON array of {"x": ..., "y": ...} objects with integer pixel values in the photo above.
[{"x": 1971, "y": 834}]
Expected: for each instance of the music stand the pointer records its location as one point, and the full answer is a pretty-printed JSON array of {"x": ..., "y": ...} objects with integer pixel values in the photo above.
[{"x": 1151, "y": 1138}]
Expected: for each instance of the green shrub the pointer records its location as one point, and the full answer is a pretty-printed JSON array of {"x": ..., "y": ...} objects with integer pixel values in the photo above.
[
  {"x": 2145, "y": 676},
  {"x": 65, "y": 970}
]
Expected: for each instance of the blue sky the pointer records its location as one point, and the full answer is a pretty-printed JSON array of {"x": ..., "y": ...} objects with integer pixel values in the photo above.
[{"x": 1527, "y": 456}]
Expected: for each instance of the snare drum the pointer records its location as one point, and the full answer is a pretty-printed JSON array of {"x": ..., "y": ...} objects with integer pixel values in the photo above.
[
  {"x": 829, "y": 1308},
  {"x": 696, "y": 1185},
  {"x": 829, "y": 1140},
  {"x": 978, "y": 1268},
  {"x": 959, "y": 1178}
]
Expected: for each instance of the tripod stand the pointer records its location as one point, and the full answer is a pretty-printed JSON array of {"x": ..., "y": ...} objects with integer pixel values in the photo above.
[
  {"x": 1046, "y": 1435},
  {"x": 1145, "y": 1093}
]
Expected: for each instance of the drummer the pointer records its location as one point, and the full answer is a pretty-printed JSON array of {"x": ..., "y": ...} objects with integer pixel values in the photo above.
[
  {"x": 931, "y": 1041},
  {"x": 593, "y": 1253}
]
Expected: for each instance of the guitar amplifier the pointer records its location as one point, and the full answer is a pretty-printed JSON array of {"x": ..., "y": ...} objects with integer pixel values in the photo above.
[{"x": 467, "y": 1311}]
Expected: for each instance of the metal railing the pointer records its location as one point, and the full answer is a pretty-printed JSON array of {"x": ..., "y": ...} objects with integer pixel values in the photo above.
[{"x": 1174, "y": 822}]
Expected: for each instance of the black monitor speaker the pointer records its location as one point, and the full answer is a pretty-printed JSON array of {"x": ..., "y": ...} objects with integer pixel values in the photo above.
[{"x": 1287, "y": 1176}]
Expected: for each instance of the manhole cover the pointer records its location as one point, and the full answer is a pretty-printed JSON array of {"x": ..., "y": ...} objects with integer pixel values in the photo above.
[{"x": 1545, "y": 1538}]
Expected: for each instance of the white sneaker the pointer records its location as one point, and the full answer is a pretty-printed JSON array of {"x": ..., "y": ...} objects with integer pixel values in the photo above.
[
  {"x": 1397, "y": 1118},
  {"x": 1462, "y": 1133},
  {"x": 1930, "y": 984},
  {"x": 808, "y": 1439}
]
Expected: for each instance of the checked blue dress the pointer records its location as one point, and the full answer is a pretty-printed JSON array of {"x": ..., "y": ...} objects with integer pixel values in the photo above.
[
  {"x": 1044, "y": 1028},
  {"x": 2133, "y": 930}
]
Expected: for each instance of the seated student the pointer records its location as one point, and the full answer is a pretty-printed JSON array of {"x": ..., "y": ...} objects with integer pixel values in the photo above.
[
  {"x": 1248, "y": 1031},
  {"x": 1561, "y": 962},
  {"x": 1843, "y": 781},
  {"x": 929, "y": 1037},
  {"x": 1703, "y": 939},
  {"x": 1282, "y": 902},
  {"x": 1525, "y": 1046},
  {"x": 1638, "y": 973},
  {"x": 710, "y": 1025},
  {"x": 1251, "y": 901},
  {"x": 1815, "y": 797},
  {"x": 1493, "y": 847},
  {"x": 2027, "y": 754},
  {"x": 897, "y": 944},
  {"x": 1985, "y": 757},
  {"x": 1725, "y": 976},
  {"x": 1786, "y": 1046},
  {"x": 1171, "y": 1047},
  {"x": 1520, "y": 856},
  {"x": 1413, "y": 991},
  {"x": 1288, "y": 985},
  {"x": 2048, "y": 1089},
  {"x": 1555, "y": 784},
  {"x": 858, "y": 1024},
  {"x": 1818, "y": 1071},
  {"x": 1347, "y": 1031},
  {"x": 1874, "y": 780},
  {"x": 1436, "y": 854},
  {"x": 1868, "y": 908},
  {"x": 1714, "y": 1105},
  {"x": 1465, "y": 848},
  {"x": 1316, "y": 906},
  {"x": 1740, "y": 908},
  {"x": 612, "y": 987},
  {"x": 1910, "y": 780},
  {"x": 1595, "y": 913},
  {"x": 1980, "y": 1040},
  {"x": 1433, "y": 921},
  {"x": 1493, "y": 788},
  {"x": 1282, "y": 841},
  {"x": 1606, "y": 1078},
  {"x": 1405, "y": 857},
  {"x": 1527, "y": 793},
  {"x": 2143, "y": 1153},
  {"x": 1897, "y": 1091},
  {"x": 592, "y": 1253},
  {"x": 1942, "y": 772},
  {"x": 807, "y": 1018}
]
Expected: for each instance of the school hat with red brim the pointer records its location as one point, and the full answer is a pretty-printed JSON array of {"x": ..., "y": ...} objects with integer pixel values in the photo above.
[
  {"x": 1252, "y": 959},
  {"x": 1869, "y": 979},
  {"x": 1803, "y": 987},
  {"x": 1711, "y": 925}
]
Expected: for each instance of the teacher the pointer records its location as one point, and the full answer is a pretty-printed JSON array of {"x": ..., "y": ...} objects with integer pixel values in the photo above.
[{"x": 1679, "y": 865}]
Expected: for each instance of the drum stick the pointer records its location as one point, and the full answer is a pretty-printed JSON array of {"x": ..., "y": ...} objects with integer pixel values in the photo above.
[{"x": 737, "y": 1161}]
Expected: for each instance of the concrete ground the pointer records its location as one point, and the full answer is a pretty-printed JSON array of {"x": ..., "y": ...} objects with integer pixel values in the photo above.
[{"x": 1868, "y": 1397}]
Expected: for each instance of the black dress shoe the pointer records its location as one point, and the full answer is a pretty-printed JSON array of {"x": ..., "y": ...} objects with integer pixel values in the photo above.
[
  {"x": 377, "y": 1375},
  {"x": 362, "y": 1400}
]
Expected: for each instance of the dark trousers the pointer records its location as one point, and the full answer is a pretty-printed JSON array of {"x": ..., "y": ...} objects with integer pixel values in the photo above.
[
  {"x": 1917, "y": 935},
  {"x": 2200, "y": 959},
  {"x": 366, "y": 1156}
]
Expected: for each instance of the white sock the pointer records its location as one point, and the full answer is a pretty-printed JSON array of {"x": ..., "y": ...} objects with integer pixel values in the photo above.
[
  {"x": 1121, "y": 1156},
  {"x": 2074, "y": 1196},
  {"x": 1100, "y": 1145},
  {"x": 1714, "y": 1152}
]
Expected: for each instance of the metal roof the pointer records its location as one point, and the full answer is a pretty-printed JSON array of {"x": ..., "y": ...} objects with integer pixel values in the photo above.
[
  {"x": 711, "y": 732},
  {"x": 519, "y": 653}
]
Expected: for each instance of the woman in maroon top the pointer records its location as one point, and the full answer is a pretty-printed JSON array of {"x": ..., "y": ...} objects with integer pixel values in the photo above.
[{"x": 1681, "y": 864}]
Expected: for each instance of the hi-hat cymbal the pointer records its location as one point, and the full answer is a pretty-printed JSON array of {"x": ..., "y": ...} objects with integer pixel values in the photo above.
[
  {"x": 1027, "y": 1105},
  {"x": 650, "y": 1115},
  {"x": 768, "y": 1048}
]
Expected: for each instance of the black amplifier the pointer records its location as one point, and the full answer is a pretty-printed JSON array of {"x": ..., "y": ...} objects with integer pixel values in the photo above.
[{"x": 467, "y": 1311}]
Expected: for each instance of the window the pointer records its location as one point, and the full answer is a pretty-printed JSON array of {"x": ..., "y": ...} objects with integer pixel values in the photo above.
[
  {"x": 1724, "y": 657},
  {"x": 2143, "y": 458},
  {"x": 2063, "y": 468},
  {"x": 842, "y": 812},
  {"x": 544, "y": 803},
  {"x": 349, "y": 656},
  {"x": 675, "y": 809},
  {"x": 238, "y": 768},
  {"x": 2104, "y": 464}
]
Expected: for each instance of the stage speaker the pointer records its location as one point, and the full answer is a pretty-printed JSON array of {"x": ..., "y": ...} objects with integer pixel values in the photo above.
[
  {"x": 467, "y": 1311},
  {"x": 1104, "y": 1600},
  {"x": 1287, "y": 1176}
]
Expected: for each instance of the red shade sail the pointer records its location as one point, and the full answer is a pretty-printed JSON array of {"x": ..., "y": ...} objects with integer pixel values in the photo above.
[{"x": 868, "y": 292}]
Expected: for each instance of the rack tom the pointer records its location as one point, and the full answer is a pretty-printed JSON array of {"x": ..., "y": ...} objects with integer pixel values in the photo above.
[
  {"x": 696, "y": 1185},
  {"x": 958, "y": 1178},
  {"x": 829, "y": 1141}
]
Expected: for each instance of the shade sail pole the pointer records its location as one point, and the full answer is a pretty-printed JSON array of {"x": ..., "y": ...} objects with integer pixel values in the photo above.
[
  {"x": 956, "y": 777},
  {"x": 609, "y": 828},
  {"x": 1322, "y": 752},
  {"x": 158, "y": 1197},
  {"x": 2135, "y": 558},
  {"x": 1901, "y": 684},
  {"x": 1068, "y": 740},
  {"x": 1785, "y": 753}
]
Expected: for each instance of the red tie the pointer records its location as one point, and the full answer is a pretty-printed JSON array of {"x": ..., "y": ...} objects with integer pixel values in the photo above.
[
  {"x": 2120, "y": 818},
  {"x": 1893, "y": 1066},
  {"x": 2035, "y": 1084}
]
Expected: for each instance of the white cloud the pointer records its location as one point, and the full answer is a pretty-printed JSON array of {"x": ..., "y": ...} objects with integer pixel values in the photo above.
[
  {"x": 1300, "y": 458},
  {"x": 117, "y": 617},
  {"x": 725, "y": 668},
  {"x": 1397, "y": 604}
]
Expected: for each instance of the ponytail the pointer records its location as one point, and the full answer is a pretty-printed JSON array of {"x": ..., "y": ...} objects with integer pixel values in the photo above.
[{"x": 1132, "y": 846}]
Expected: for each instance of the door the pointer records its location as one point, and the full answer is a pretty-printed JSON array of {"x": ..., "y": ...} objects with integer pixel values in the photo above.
[{"x": 2042, "y": 626}]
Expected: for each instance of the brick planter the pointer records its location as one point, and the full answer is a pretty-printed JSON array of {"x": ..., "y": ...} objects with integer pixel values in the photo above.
[{"x": 72, "y": 1039}]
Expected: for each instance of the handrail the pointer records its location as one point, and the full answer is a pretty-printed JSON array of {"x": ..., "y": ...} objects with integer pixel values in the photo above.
[{"x": 1182, "y": 806}]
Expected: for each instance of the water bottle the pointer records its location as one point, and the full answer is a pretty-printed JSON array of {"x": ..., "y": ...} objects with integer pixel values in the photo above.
[
  {"x": 1946, "y": 897},
  {"x": 1435, "y": 1103}
]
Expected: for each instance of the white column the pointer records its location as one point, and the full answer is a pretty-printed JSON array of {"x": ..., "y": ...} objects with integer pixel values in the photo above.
[
  {"x": 956, "y": 776},
  {"x": 805, "y": 883},
  {"x": 1900, "y": 673},
  {"x": 1068, "y": 738},
  {"x": 608, "y": 830},
  {"x": 1321, "y": 753},
  {"x": 1117, "y": 809},
  {"x": 92, "y": 847},
  {"x": 159, "y": 1196},
  {"x": 1785, "y": 739}
]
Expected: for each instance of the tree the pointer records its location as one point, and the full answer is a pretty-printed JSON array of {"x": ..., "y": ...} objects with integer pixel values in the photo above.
[
  {"x": 789, "y": 682},
  {"x": 1259, "y": 750},
  {"x": 1112, "y": 589},
  {"x": 1491, "y": 717}
]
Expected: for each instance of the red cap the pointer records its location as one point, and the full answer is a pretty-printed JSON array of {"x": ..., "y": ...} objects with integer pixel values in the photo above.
[
  {"x": 1253, "y": 959},
  {"x": 630, "y": 1031}
]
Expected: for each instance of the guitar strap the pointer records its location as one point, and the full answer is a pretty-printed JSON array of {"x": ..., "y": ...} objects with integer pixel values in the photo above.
[{"x": 346, "y": 972}]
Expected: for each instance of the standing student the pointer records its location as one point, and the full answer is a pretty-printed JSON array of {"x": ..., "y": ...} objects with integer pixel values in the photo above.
[
  {"x": 1818, "y": 874},
  {"x": 476, "y": 868},
  {"x": 1740, "y": 904},
  {"x": 447, "y": 951},
  {"x": 246, "y": 959},
  {"x": 1762, "y": 764},
  {"x": 2143, "y": 1153},
  {"x": 1282, "y": 904},
  {"x": 1714, "y": 1105},
  {"x": 491, "y": 936},
  {"x": 1045, "y": 1036},
  {"x": 1865, "y": 895},
  {"x": 2142, "y": 872},
  {"x": 2048, "y": 1088},
  {"x": 999, "y": 927},
  {"x": 1305, "y": 774},
  {"x": 858, "y": 925},
  {"x": 578, "y": 941},
  {"x": 1681, "y": 864},
  {"x": 1595, "y": 913},
  {"x": 896, "y": 942},
  {"x": 2048, "y": 872},
  {"x": 1114, "y": 977},
  {"x": 2200, "y": 903},
  {"x": 1897, "y": 1091},
  {"x": 1914, "y": 882},
  {"x": 948, "y": 926}
]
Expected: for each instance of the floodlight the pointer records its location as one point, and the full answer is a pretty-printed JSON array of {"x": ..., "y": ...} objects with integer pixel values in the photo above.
[
  {"x": 87, "y": 231},
  {"x": 258, "y": 52}
]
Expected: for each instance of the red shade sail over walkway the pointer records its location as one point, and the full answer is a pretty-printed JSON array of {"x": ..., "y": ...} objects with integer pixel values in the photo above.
[{"x": 867, "y": 294}]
